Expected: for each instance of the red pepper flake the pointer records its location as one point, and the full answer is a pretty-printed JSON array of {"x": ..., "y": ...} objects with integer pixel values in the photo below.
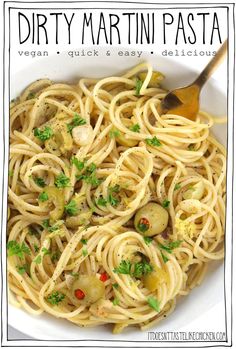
[
  {"x": 79, "y": 294},
  {"x": 104, "y": 277},
  {"x": 143, "y": 224}
]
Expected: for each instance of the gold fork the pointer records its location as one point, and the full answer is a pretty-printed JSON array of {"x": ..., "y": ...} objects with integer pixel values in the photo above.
[{"x": 185, "y": 100}]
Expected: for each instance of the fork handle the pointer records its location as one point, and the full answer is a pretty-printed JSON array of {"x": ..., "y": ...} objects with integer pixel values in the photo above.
[{"x": 212, "y": 65}]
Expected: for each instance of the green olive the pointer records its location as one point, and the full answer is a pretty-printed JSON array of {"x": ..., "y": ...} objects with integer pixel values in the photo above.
[
  {"x": 55, "y": 198},
  {"x": 63, "y": 137},
  {"x": 81, "y": 219},
  {"x": 127, "y": 142},
  {"x": 52, "y": 146},
  {"x": 91, "y": 286},
  {"x": 61, "y": 141},
  {"x": 151, "y": 219},
  {"x": 84, "y": 213},
  {"x": 81, "y": 201}
]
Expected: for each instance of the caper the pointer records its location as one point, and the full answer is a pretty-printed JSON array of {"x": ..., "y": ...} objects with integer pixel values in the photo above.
[
  {"x": 92, "y": 288},
  {"x": 151, "y": 219}
]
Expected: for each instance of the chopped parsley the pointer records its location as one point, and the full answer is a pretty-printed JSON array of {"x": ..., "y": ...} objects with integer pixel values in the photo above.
[
  {"x": 56, "y": 256},
  {"x": 85, "y": 252},
  {"x": 47, "y": 226},
  {"x": 113, "y": 201},
  {"x": 84, "y": 241},
  {"x": 177, "y": 186},
  {"x": 22, "y": 268},
  {"x": 115, "y": 189},
  {"x": 166, "y": 203},
  {"x": 78, "y": 164},
  {"x": 101, "y": 202},
  {"x": 61, "y": 181},
  {"x": 44, "y": 134},
  {"x": 36, "y": 248},
  {"x": 165, "y": 259},
  {"x": 43, "y": 196},
  {"x": 55, "y": 298},
  {"x": 114, "y": 133},
  {"x": 38, "y": 259},
  {"x": 89, "y": 176},
  {"x": 93, "y": 180},
  {"x": 141, "y": 268},
  {"x": 116, "y": 301},
  {"x": 77, "y": 121},
  {"x": 135, "y": 128},
  {"x": 137, "y": 269},
  {"x": 154, "y": 303},
  {"x": 153, "y": 141},
  {"x": 45, "y": 223},
  {"x": 71, "y": 208},
  {"x": 15, "y": 249},
  {"x": 170, "y": 246},
  {"x": 124, "y": 268},
  {"x": 91, "y": 168},
  {"x": 138, "y": 86},
  {"x": 174, "y": 244},
  {"x": 39, "y": 181},
  {"x": 115, "y": 285},
  {"x": 147, "y": 240},
  {"x": 46, "y": 251}
]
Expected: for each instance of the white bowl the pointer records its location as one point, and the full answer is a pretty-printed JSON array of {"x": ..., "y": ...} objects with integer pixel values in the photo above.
[{"x": 201, "y": 299}]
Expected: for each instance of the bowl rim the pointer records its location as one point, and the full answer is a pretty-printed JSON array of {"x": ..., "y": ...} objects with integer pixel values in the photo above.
[{"x": 214, "y": 83}]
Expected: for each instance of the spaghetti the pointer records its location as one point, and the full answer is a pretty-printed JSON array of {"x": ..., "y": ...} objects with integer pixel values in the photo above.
[{"x": 114, "y": 210}]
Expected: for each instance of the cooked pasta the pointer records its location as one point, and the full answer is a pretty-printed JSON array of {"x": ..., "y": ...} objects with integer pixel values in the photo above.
[{"x": 115, "y": 211}]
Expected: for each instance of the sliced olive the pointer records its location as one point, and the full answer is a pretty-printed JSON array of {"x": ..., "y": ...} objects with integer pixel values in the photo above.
[
  {"x": 155, "y": 80},
  {"x": 61, "y": 141},
  {"x": 63, "y": 138},
  {"x": 56, "y": 198},
  {"x": 127, "y": 142},
  {"x": 154, "y": 279},
  {"x": 84, "y": 213},
  {"x": 52, "y": 147}
]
